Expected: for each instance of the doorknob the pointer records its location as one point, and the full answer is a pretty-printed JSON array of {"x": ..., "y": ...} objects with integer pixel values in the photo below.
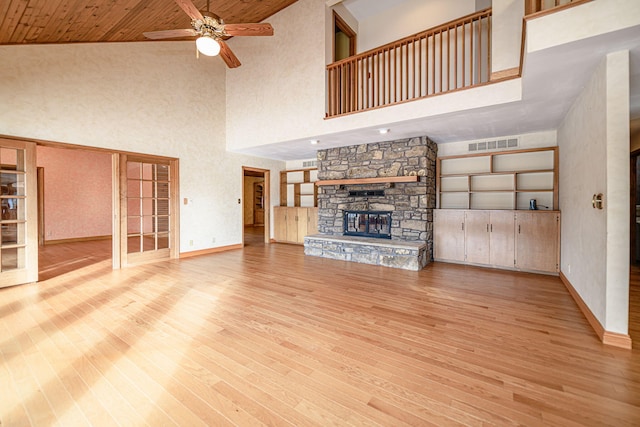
[{"x": 597, "y": 201}]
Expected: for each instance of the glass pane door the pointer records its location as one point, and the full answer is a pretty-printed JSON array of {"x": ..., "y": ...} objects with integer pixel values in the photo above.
[
  {"x": 18, "y": 219},
  {"x": 147, "y": 210}
]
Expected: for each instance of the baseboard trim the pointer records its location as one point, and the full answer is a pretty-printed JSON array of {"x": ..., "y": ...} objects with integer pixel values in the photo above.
[
  {"x": 505, "y": 74},
  {"x": 617, "y": 340},
  {"x": 609, "y": 338},
  {"x": 211, "y": 250},
  {"x": 77, "y": 239}
]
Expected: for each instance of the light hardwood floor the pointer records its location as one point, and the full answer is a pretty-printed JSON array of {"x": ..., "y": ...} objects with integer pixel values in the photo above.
[{"x": 267, "y": 336}]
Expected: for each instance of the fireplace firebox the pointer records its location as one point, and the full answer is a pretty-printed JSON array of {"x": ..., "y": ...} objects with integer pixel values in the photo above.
[{"x": 367, "y": 224}]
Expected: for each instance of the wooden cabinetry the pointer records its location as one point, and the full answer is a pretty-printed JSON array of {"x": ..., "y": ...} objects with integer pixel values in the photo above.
[
  {"x": 292, "y": 223},
  {"x": 499, "y": 180},
  {"x": 538, "y": 241},
  {"x": 258, "y": 203},
  {"x": 448, "y": 235},
  {"x": 522, "y": 240}
]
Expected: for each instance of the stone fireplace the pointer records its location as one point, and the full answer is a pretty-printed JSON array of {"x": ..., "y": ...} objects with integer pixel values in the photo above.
[{"x": 375, "y": 178}]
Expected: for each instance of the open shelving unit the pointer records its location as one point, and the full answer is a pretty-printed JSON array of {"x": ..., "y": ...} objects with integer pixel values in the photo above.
[
  {"x": 499, "y": 180},
  {"x": 297, "y": 187}
]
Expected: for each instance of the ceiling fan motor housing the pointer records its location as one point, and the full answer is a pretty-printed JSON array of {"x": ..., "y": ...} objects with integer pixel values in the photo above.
[{"x": 211, "y": 24}]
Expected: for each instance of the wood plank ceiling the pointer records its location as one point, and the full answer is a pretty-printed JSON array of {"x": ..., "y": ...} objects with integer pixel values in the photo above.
[{"x": 94, "y": 21}]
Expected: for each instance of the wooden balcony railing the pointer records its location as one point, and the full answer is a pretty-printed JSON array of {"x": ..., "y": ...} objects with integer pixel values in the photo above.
[
  {"x": 450, "y": 57},
  {"x": 542, "y": 7}
]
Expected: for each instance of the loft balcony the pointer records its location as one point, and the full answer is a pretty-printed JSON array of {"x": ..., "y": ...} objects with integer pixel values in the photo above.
[{"x": 451, "y": 57}]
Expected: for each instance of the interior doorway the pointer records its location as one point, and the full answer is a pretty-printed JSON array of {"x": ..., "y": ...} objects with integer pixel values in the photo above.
[
  {"x": 74, "y": 209},
  {"x": 256, "y": 206},
  {"x": 344, "y": 39}
]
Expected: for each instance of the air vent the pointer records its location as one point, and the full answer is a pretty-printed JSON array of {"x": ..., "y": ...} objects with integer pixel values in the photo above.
[
  {"x": 492, "y": 145},
  {"x": 310, "y": 164}
]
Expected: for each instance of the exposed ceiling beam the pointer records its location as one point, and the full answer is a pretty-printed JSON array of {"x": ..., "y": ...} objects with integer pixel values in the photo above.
[{"x": 333, "y": 2}]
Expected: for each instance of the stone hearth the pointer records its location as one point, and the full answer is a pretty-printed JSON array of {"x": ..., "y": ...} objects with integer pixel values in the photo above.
[{"x": 411, "y": 203}]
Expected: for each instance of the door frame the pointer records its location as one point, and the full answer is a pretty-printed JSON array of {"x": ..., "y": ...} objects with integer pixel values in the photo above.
[
  {"x": 632, "y": 206},
  {"x": 267, "y": 201}
]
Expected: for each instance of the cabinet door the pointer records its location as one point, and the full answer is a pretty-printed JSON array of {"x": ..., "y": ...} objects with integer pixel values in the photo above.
[
  {"x": 312, "y": 221},
  {"x": 502, "y": 238},
  {"x": 448, "y": 234},
  {"x": 477, "y": 236},
  {"x": 280, "y": 223},
  {"x": 537, "y": 241},
  {"x": 292, "y": 224}
]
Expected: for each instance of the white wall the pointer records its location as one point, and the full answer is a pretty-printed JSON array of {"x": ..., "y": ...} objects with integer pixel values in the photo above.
[
  {"x": 594, "y": 159},
  {"x": 528, "y": 140},
  {"x": 583, "y": 21},
  {"x": 407, "y": 18},
  {"x": 153, "y": 98},
  {"x": 506, "y": 34}
]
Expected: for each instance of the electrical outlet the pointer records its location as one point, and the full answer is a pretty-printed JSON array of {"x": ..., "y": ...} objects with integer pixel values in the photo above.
[
  {"x": 569, "y": 268},
  {"x": 190, "y": 242},
  {"x": 213, "y": 240}
]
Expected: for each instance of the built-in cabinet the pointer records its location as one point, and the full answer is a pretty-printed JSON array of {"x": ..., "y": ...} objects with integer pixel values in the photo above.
[
  {"x": 292, "y": 223},
  {"x": 522, "y": 240},
  {"x": 258, "y": 203},
  {"x": 297, "y": 215},
  {"x": 484, "y": 216}
]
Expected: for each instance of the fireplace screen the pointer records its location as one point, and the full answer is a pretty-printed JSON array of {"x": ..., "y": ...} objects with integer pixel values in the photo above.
[{"x": 367, "y": 224}]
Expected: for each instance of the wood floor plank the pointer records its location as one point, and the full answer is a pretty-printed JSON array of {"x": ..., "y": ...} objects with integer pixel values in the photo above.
[{"x": 267, "y": 336}]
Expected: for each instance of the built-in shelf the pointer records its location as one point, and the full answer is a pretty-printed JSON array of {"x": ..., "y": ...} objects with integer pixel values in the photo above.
[
  {"x": 499, "y": 180},
  {"x": 376, "y": 180},
  {"x": 297, "y": 187}
]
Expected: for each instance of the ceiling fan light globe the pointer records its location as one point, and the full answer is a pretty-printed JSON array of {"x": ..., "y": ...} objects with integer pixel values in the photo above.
[{"x": 207, "y": 45}]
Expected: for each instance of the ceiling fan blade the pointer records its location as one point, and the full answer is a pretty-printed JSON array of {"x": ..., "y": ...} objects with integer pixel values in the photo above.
[
  {"x": 228, "y": 56},
  {"x": 248, "y": 29},
  {"x": 189, "y": 8},
  {"x": 170, "y": 34}
]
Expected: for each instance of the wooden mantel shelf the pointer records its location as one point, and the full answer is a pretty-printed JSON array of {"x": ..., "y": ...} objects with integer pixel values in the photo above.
[{"x": 377, "y": 180}]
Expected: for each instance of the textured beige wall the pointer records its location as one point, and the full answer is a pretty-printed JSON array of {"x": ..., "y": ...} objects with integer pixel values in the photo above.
[
  {"x": 594, "y": 158},
  {"x": 153, "y": 98}
]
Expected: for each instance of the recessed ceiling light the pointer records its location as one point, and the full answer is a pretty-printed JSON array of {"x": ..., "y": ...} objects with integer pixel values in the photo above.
[
  {"x": 314, "y": 141},
  {"x": 384, "y": 131}
]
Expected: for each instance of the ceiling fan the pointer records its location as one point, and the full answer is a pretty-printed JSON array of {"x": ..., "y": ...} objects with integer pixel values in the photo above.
[{"x": 211, "y": 30}]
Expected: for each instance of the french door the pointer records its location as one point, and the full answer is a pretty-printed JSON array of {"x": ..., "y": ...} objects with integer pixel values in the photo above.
[
  {"x": 148, "y": 209},
  {"x": 19, "y": 219}
]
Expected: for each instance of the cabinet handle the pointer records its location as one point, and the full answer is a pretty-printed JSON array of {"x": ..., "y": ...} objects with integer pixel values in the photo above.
[
  {"x": 492, "y": 228},
  {"x": 463, "y": 226},
  {"x": 518, "y": 228},
  {"x": 487, "y": 228}
]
